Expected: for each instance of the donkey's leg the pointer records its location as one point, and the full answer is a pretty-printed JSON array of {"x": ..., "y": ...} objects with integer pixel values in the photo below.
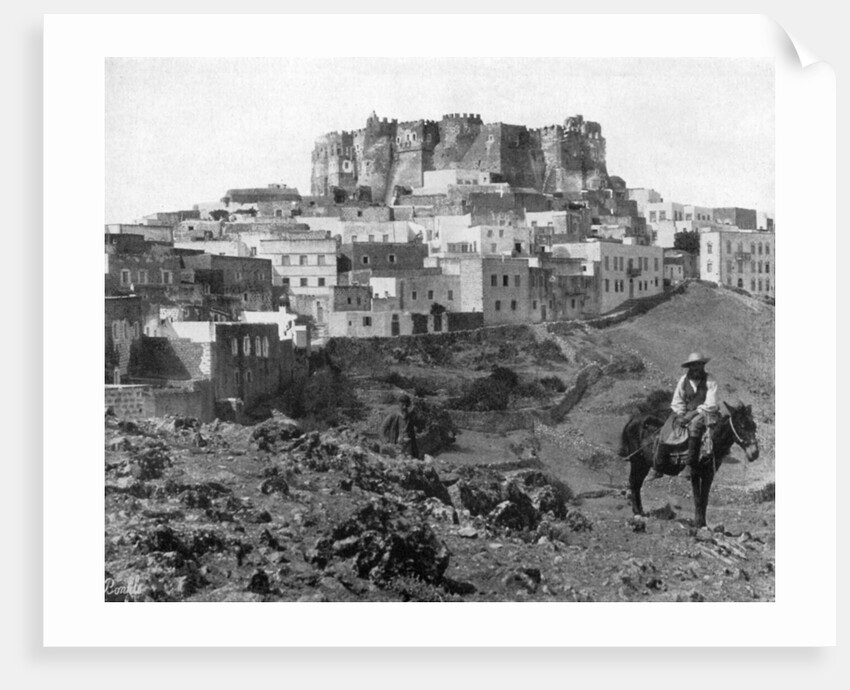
[
  {"x": 706, "y": 478},
  {"x": 637, "y": 473},
  {"x": 696, "y": 490}
]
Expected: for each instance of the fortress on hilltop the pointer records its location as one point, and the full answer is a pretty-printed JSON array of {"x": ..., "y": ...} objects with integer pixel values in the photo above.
[{"x": 387, "y": 154}]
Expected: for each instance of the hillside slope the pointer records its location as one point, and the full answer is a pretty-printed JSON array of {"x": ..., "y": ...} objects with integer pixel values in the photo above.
[{"x": 529, "y": 503}]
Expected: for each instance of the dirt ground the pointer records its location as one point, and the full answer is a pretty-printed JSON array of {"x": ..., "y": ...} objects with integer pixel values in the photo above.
[{"x": 223, "y": 512}]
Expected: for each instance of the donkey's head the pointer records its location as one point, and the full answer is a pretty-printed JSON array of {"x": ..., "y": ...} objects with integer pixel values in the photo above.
[{"x": 744, "y": 429}]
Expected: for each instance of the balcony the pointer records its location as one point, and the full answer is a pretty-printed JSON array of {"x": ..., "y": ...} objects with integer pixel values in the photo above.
[
  {"x": 633, "y": 271},
  {"x": 742, "y": 256}
]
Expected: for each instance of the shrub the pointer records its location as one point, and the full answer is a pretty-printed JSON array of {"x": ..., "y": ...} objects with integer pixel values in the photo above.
[
  {"x": 553, "y": 383},
  {"x": 326, "y": 399},
  {"x": 547, "y": 351}
]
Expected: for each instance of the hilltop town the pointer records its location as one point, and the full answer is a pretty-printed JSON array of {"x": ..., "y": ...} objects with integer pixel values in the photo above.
[{"x": 410, "y": 228}]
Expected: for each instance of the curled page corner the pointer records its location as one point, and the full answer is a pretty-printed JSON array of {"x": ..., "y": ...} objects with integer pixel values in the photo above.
[{"x": 804, "y": 54}]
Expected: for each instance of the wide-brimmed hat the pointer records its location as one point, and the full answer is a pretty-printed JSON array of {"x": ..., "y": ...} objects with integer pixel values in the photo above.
[{"x": 695, "y": 358}]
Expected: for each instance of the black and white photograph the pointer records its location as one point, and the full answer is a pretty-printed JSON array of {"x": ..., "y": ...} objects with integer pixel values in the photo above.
[{"x": 439, "y": 329}]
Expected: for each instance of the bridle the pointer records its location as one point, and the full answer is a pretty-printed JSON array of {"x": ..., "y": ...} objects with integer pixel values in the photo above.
[{"x": 738, "y": 438}]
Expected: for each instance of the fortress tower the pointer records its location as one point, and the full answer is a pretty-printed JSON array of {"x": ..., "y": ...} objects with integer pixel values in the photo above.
[{"x": 386, "y": 154}]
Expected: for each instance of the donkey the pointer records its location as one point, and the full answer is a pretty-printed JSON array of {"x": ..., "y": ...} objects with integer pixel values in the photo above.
[{"x": 640, "y": 443}]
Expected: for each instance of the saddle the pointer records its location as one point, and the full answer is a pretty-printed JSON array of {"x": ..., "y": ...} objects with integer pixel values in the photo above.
[{"x": 670, "y": 452}]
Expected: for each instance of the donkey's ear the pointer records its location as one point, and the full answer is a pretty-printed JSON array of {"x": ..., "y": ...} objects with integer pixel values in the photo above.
[{"x": 730, "y": 408}]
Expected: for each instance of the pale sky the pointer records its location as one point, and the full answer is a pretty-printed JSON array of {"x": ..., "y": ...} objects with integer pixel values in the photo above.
[{"x": 183, "y": 131}]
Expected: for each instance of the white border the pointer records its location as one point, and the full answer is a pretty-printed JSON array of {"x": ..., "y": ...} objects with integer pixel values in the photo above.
[{"x": 74, "y": 613}]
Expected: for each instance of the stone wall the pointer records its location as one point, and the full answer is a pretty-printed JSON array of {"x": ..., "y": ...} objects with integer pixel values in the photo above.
[{"x": 145, "y": 401}]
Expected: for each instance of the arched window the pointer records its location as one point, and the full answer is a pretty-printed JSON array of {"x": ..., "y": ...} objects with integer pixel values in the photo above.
[
  {"x": 741, "y": 283},
  {"x": 234, "y": 347},
  {"x": 708, "y": 248},
  {"x": 760, "y": 247},
  {"x": 258, "y": 346},
  {"x": 752, "y": 284},
  {"x": 759, "y": 284},
  {"x": 708, "y": 267},
  {"x": 265, "y": 346},
  {"x": 767, "y": 248},
  {"x": 249, "y": 376},
  {"x": 246, "y": 345}
]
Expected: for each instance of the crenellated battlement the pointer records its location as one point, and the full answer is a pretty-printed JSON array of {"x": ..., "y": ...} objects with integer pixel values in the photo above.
[{"x": 472, "y": 118}]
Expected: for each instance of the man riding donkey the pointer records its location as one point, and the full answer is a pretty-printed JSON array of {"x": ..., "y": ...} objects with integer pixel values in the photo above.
[{"x": 695, "y": 407}]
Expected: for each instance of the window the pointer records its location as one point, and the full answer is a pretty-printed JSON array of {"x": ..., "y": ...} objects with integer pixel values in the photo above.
[
  {"x": 265, "y": 346},
  {"x": 353, "y": 239},
  {"x": 759, "y": 284},
  {"x": 646, "y": 263},
  {"x": 656, "y": 263},
  {"x": 346, "y": 166},
  {"x": 430, "y": 294},
  {"x": 708, "y": 267},
  {"x": 284, "y": 260},
  {"x": 728, "y": 246},
  {"x": 689, "y": 216},
  {"x": 349, "y": 300},
  {"x": 505, "y": 281},
  {"x": 516, "y": 281},
  {"x": 606, "y": 263},
  {"x": 246, "y": 345},
  {"x": 490, "y": 233},
  {"x": 494, "y": 280},
  {"x": 386, "y": 238},
  {"x": 501, "y": 232},
  {"x": 760, "y": 247},
  {"x": 367, "y": 321},
  {"x": 451, "y": 295},
  {"x": 534, "y": 304},
  {"x": 767, "y": 248},
  {"x": 652, "y": 216},
  {"x": 258, "y": 345},
  {"x": 752, "y": 284},
  {"x": 656, "y": 282},
  {"x": 708, "y": 247},
  {"x": 125, "y": 277},
  {"x": 607, "y": 286},
  {"x": 767, "y": 284},
  {"x": 253, "y": 251},
  {"x": 767, "y": 267},
  {"x": 413, "y": 295},
  {"x": 284, "y": 281},
  {"x": 364, "y": 260},
  {"x": 143, "y": 276},
  {"x": 371, "y": 238},
  {"x": 492, "y": 248},
  {"x": 498, "y": 305},
  {"x": 302, "y": 260},
  {"x": 513, "y": 305},
  {"x": 741, "y": 247},
  {"x": 616, "y": 286},
  {"x": 303, "y": 282},
  {"x": 730, "y": 267},
  {"x": 752, "y": 247},
  {"x": 760, "y": 266},
  {"x": 237, "y": 376},
  {"x": 321, "y": 282},
  {"x": 249, "y": 376},
  {"x": 662, "y": 215},
  {"x": 320, "y": 260},
  {"x": 391, "y": 258}
]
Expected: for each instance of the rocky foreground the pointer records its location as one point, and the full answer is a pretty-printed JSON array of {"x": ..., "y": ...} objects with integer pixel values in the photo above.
[{"x": 222, "y": 512}]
